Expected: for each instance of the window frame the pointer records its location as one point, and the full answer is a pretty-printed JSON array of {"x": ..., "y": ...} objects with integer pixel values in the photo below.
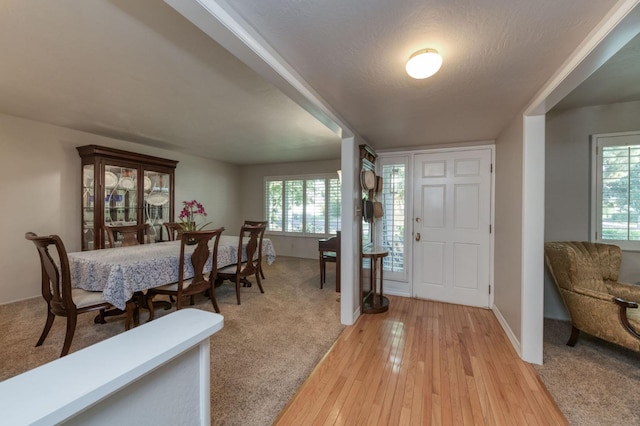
[
  {"x": 328, "y": 177},
  {"x": 598, "y": 141}
]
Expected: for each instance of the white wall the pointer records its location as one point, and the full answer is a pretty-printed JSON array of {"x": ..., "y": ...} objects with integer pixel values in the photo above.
[
  {"x": 40, "y": 190},
  {"x": 252, "y": 201},
  {"x": 508, "y": 227},
  {"x": 568, "y": 181}
]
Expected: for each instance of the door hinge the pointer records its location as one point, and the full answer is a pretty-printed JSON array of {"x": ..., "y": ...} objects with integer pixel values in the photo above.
[
  {"x": 491, "y": 168},
  {"x": 489, "y": 288},
  {"x": 490, "y": 228}
]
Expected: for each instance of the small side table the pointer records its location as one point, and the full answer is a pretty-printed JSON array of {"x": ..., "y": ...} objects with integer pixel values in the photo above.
[{"x": 374, "y": 302}]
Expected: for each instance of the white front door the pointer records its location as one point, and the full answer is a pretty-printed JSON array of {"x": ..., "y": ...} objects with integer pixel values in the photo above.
[{"x": 451, "y": 227}]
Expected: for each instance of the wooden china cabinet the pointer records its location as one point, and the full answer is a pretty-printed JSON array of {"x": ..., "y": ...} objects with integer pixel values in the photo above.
[{"x": 124, "y": 188}]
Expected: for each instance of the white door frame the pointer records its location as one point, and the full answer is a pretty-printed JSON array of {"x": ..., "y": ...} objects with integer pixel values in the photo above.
[{"x": 409, "y": 203}]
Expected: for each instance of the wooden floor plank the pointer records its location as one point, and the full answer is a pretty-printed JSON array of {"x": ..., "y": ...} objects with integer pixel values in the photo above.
[{"x": 423, "y": 362}]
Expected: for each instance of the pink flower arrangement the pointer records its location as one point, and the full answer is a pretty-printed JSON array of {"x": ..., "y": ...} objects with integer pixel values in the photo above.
[{"x": 187, "y": 216}]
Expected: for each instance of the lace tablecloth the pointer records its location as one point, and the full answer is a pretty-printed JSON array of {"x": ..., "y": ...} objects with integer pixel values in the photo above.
[{"x": 122, "y": 271}]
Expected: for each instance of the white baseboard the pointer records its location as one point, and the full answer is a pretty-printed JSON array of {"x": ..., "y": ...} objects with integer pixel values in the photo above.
[
  {"x": 397, "y": 292},
  {"x": 356, "y": 315},
  {"x": 512, "y": 337}
]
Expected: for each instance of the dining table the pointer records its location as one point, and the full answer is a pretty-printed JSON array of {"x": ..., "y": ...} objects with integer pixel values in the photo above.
[{"x": 120, "y": 272}]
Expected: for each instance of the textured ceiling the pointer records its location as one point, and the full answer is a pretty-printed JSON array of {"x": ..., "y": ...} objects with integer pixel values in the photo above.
[
  {"x": 139, "y": 71},
  {"x": 497, "y": 54},
  {"x": 618, "y": 80}
]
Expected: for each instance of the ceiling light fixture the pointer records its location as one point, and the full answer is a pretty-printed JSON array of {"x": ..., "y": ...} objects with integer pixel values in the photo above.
[{"x": 424, "y": 63}]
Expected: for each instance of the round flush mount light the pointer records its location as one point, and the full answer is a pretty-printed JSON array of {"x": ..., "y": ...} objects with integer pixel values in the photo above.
[{"x": 424, "y": 63}]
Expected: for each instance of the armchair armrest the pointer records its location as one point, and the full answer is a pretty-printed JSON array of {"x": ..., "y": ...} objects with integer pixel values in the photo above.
[
  {"x": 629, "y": 292},
  {"x": 592, "y": 293},
  {"x": 622, "y": 314}
]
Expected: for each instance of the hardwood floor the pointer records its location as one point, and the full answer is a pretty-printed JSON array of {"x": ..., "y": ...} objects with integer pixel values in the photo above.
[{"x": 423, "y": 363}]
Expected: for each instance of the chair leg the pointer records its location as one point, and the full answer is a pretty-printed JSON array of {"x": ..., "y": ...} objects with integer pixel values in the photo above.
[
  {"x": 131, "y": 315},
  {"x": 136, "y": 314},
  {"x": 100, "y": 318},
  {"x": 238, "y": 288},
  {"x": 47, "y": 327},
  {"x": 152, "y": 310},
  {"x": 574, "y": 336},
  {"x": 261, "y": 273},
  {"x": 179, "y": 302},
  {"x": 259, "y": 283},
  {"x": 321, "y": 272},
  {"x": 68, "y": 337},
  {"x": 192, "y": 300},
  {"x": 212, "y": 296}
]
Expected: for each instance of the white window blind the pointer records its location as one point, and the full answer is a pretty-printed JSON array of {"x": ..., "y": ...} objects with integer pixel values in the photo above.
[
  {"x": 303, "y": 204},
  {"x": 293, "y": 205},
  {"x": 315, "y": 206},
  {"x": 394, "y": 219},
  {"x": 335, "y": 206},
  {"x": 616, "y": 208},
  {"x": 275, "y": 197}
]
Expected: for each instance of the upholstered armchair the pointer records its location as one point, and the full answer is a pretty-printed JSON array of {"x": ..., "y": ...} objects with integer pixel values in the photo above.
[{"x": 586, "y": 275}]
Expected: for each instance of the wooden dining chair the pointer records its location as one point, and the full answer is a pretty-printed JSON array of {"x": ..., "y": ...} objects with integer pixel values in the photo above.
[
  {"x": 264, "y": 223},
  {"x": 239, "y": 271},
  {"x": 200, "y": 281},
  {"x": 131, "y": 234},
  {"x": 174, "y": 230},
  {"x": 329, "y": 250},
  {"x": 62, "y": 299}
]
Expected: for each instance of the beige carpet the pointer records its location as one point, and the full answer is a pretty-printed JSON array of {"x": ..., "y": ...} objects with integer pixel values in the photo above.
[
  {"x": 267, "y": 348},
  {"x": 595, "y": 382}
]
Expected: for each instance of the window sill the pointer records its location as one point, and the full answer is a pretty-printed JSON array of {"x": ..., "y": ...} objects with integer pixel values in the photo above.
[{"x": 297, "y": 235}]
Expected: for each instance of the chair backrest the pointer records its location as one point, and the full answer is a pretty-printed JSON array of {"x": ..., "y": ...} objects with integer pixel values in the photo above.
[
  {"x": 199, "y": 256},
  {"x": 249, "y": 245},
  {"x": 174, "y": 230},
  {"x": 131, "y": 234},
  {"x": 583, "y": 264},
  {"x": 264, "y": 224},
  {"x": 331, "y": 243},
  {"x": 256, "y": 223},
  {"x": 56, "y": 277}
]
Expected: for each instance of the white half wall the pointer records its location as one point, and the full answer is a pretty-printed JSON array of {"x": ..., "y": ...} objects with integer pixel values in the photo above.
[
  {"x": 158, "y": 373},
  {"x": 40, "y": 186}
]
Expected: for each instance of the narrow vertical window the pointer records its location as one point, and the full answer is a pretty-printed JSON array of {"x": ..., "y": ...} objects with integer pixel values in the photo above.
[{"x": 393, "y": 221}]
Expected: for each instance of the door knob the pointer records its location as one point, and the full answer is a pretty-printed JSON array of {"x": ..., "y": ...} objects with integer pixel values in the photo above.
[
  {"x": 417, "y": 236},
  {"x": 418, "y": 220}
]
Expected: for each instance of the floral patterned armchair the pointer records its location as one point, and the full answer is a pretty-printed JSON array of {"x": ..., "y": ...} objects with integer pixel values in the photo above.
[{"x": 586, "y": 275}]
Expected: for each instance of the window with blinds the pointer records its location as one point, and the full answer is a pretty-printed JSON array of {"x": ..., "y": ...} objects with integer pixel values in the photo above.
[
  {"x": 394, "y": 219},
  {"x": 303, "y": 204},
  {"x": 617, "y": 192}
]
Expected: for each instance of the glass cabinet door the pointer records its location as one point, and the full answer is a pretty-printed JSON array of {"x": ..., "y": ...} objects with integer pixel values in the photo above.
[
  {"x": 120, "y": 196},
  {"x": 88, "y": 202},
  {"x": 157, "y": 197}
]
